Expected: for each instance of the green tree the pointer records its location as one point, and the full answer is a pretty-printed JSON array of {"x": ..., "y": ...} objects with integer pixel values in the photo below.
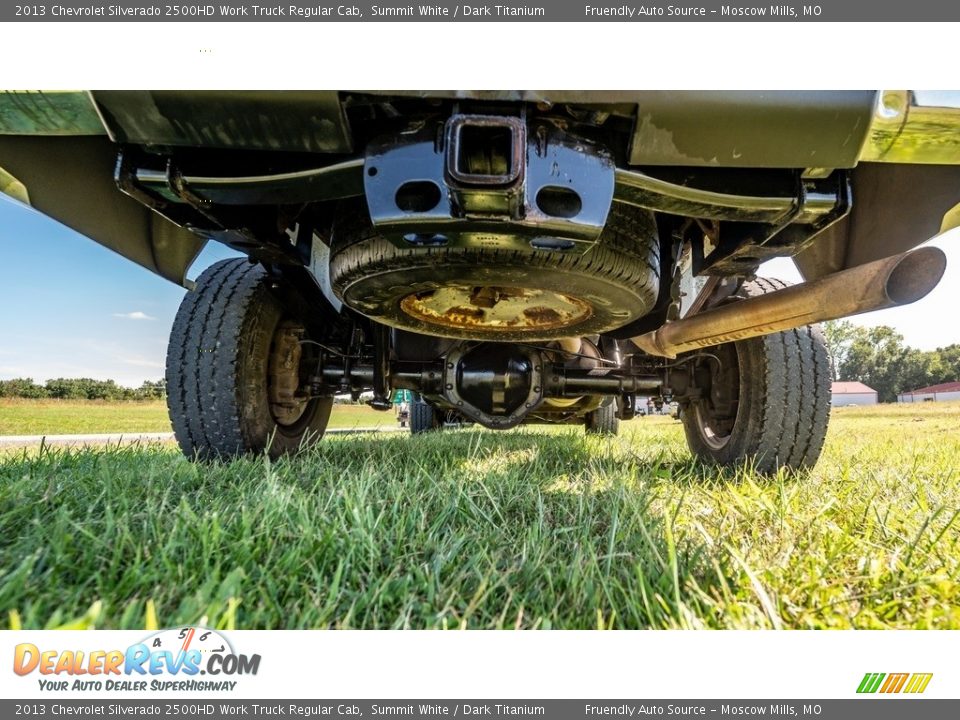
[
  {"x": 920, "y": 369},
  {"x": 949, "y": 357},
  {"x": 21, "y": 388},
  {"x": 839, "y": 335},
  {"x": 67, "y": 388},
  {"x": 151, "y": 390},
  {"x": 878, "y": 357},
  {"x": 82, "y": 389}
]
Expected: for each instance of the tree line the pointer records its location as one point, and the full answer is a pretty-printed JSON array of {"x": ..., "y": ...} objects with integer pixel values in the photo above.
[
  {"x": 81, "y": 389},
  {"x": 878, "y": 357}
]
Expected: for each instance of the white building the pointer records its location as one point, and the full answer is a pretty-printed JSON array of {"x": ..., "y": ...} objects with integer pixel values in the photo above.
[
  {"x": 852, "y": 393},
  {"x": 943, "y": 391}
]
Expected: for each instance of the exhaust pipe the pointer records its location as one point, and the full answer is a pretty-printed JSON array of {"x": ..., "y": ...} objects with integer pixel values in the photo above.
[{"x": 898, "y": 280}]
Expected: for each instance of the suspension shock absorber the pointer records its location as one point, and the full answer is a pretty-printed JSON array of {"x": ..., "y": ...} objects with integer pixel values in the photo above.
[{"x": 381, "y": 367}]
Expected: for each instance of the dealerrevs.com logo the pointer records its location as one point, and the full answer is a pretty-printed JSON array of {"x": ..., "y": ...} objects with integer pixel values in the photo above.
[
  {"x": 909, "y": 683},
  {"x": 168, "y": 660}
]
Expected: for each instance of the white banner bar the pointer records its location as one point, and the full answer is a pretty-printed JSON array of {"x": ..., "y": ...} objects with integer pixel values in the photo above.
[{"x": 418, "y": 664}]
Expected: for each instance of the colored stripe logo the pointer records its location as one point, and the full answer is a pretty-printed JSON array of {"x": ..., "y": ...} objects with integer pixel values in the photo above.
[{"x": 913, "y": 683}]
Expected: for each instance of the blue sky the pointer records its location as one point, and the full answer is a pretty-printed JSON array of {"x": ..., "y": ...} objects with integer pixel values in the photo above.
[{"x": 71, "y": 308}]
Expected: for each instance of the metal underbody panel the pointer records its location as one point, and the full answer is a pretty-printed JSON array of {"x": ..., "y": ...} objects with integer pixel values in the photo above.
[
  {"x": 71, "y": 180},
  {"x": 250, "y": 149}
]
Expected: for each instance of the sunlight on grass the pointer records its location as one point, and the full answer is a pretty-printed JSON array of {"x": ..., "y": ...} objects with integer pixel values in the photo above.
[{"x": 531, "y": 528}]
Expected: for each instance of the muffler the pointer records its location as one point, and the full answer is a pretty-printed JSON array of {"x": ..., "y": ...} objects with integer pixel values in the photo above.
[{"x": 891, "y": 282}]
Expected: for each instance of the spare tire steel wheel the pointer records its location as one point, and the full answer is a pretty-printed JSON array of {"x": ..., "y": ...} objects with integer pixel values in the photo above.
[
  {"x": 498, "y": 294},
  {"x": 235, "y": 364}
]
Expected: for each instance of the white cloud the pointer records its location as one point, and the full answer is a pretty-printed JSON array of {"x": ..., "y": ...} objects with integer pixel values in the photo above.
[
  {"x": 12, "y": 371},
  {"x": 141, "y": 362},
  {"x": 135, "y": 315}
]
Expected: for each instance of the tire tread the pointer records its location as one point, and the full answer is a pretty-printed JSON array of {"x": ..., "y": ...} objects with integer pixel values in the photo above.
[{"x": 603, "y": 420}]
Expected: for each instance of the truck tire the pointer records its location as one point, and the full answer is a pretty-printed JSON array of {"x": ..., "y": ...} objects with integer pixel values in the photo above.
[
  {"x": 608, "y": 286},
  {"x": 220, "y": 366},
  {"x": 768, "y": 400},
  {"x": 603, "y": 420},
  {"x": 423, "y": 417}
]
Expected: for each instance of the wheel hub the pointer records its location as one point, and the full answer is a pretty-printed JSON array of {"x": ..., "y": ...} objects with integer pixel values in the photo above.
[
  {"x": 716, "y": 411},
  {"x": 283, "y": 380},
  {"x": 496, "y": 308}
]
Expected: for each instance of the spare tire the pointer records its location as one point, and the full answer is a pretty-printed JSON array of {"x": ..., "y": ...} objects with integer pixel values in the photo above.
[{"x": 498, "y": 294}]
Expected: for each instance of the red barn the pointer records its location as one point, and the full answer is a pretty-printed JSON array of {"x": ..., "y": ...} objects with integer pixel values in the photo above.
[{"x": 943, "y": 391}]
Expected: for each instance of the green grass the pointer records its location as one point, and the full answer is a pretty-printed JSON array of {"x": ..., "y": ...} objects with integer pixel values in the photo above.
[
  {"x": 493, "y": 530},
  {"x": 69, "y": 417}
]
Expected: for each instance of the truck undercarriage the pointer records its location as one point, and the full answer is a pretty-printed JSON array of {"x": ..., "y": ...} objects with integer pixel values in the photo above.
[{"x": 508, "y": 257}]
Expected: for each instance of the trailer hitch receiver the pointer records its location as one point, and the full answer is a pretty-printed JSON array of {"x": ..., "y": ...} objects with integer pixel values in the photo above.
[{"x": 489, "y": 181}]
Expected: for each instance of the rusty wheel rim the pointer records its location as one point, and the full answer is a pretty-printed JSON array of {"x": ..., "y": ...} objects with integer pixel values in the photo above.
[
  {"x": 711, "y": 436},
  {"x": 492, "y": 308},
  {"x": 716, "y": 414},
  {"x": 287, "y": 406}
]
